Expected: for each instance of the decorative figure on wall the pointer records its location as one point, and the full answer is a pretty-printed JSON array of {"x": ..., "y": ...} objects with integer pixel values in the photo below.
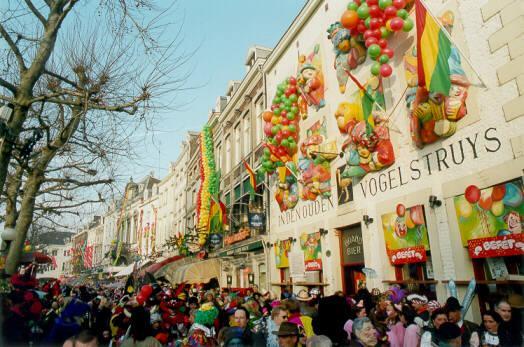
[
  {"x": 349, "y": 53},
  {"x": 344, "y": 187},
  {"x": 287, "y": 187},
  {"x": 435, "y": 108},
  {"x": 314, "y": 162},
  {"x": 368, "y": 146},
  {"x": 310, "y": 79}
]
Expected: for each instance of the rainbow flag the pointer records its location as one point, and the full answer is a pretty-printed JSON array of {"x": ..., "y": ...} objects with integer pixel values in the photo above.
[
  {"x": 217, "y": 216},
  {"x": 252, "y": 177},
  {"x": 433, "y": 51}
]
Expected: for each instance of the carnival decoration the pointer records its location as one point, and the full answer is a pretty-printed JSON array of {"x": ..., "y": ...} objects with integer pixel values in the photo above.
[
  {"x": 310, "y": 78},
  {"x": 310, "y": 244},
  {"x": 367, "y": 146},
  {"x": 437, "y": 84},
  {"x": 282, "y": 248},
  {"x": 452, "y": 288},
  {"x": 406, "y": 234},
  {"x": 287, "y": 191},
  {"x": 468, "y": 297},
  {"x": 490, "y": 220},
  {"x": 208, "y": 184},
  {"x": 365, "y": 27},
  {"x": 316, "y": 154}
]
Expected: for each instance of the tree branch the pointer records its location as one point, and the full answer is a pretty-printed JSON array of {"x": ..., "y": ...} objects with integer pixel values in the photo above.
[
  {"x": 36, "y": 12},
  {"x": 14, "y": 48},
  {"x": 11, "y": 87}
]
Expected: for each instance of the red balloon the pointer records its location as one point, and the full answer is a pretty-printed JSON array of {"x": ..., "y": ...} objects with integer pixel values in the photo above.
[
  {"x": 396, "y": 24},
  {"x": 374, "y": 11},
  {"x": 273, "y": 107},
  {"x": 376, "y": 34},
  {"x": 292, "y": 81},
  {"x": 485, "y": 201},
  {"x": 374, "y": 23},
  {"x": 361, "y": 27},
  {"x": 385, "y": 70},
  {"x": 370, "y": 41},
  {"x": 383, "y": 43},
  {"x": 140, "y": 299},
  {"x": 354, "y": 32},
  {"x": 284, "y": 121},
  {"x": 146, "y": 290},
  {"x": 388, "y": 51},
  {"x": 390, "y": 12},
  {"x": 278, "y": 137},
  {"x": 401, "y": 210},
  {"x": 498, "y": 192},
  {"x": 293, "y": 89},
  {"x": 372, "y": 3},
  {"x": 267, "y": 129},
  {"x": 472, "y": 194},
  {"x": 367, "y": 34},
  {"x": 283, "y": 113},
  {"x": 285, "y": 133},
  {"x": 399, "y": 4}
]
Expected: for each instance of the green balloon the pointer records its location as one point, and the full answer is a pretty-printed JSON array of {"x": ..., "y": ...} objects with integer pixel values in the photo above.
[
  {"x": 281, "y": 87},
  {"x": 284, "y": 143},
  {"x": 293, "y": 98},
  {"x": 408, "y": 25},
  {"x": 292, "y": 128},
  {"x": 375, "y": 68},
  {"x": 292, "y": 146},
  {"x": 288, "y": 102},
  {"x": 374, "y": 50},
  {"x": 277, "y": 100},
  {"x": 274, "y": 129},
  {"x": 384, "y": 33},
  {"x": 384, "y": 3},
  {"x": 267, "y": 151},
  {"x": 279, "y": 163},
  {"x": 384, "y": 58},
  {"x": 294, "y": 109},
  {"x": 280, "y": 92},
  {"x": 367, "y": 21},
  {"x": 290, "y": 115},
  {"x": 352, "y": 6},
  {"x": 277, "y": 112},
  {"x": 402, "y": 13},
  {"x": 363, "y": 11}
]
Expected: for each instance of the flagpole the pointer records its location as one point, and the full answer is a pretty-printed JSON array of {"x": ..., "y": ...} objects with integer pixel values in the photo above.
[{"x": 448, "y": 36}]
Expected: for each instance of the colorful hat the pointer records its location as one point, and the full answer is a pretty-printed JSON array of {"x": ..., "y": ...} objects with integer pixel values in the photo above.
[{"x": 303, "y": 295}]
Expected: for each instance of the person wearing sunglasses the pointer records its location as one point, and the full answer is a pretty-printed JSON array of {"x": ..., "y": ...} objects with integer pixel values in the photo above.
[{"x": 279, "y": 314}]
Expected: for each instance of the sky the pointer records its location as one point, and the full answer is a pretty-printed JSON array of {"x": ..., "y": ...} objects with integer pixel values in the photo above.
[{"x": 221, "y": 32}]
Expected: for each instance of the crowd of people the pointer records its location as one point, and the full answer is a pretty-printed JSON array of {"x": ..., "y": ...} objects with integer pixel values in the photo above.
[{"x": 159, "y": 314}]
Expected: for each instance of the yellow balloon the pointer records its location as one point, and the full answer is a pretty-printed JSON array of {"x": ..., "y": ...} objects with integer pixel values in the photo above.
[
  {"x": 464, "y": 208},
  {"x": 497, "y": 208},
  {"x": 27, "y": 248}
]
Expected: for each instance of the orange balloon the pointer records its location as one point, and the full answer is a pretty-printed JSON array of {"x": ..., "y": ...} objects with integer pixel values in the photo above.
[
  {"x": 349, "y": 19},
  {"x": 267, "y": 116}
]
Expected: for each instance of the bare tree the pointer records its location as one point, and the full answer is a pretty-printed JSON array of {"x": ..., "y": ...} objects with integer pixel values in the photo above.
[{"x": 77, "y": 92}]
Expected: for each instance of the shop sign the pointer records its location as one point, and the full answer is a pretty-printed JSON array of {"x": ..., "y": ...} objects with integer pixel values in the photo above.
[
  {"x": 407, "y": 255},
  {"x": 240, "y": 236},
  {"x": 257, "y": 219},
  {"x": 305, "y": 211},
  {"x": 241, "y": 249},
  {"x": 352, "y": 246},
  {"x": 215, "y": 240},
  {"x": 310, "y": 244},
  {"x": 499, "y": 246}
]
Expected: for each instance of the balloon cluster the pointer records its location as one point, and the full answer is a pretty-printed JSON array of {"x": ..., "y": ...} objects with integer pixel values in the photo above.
[
  {"x": 208, "y": 184},
  {"x": 373, "y": 22},
  {"x": 145, "y": 293},
  {"x": 281, "y": 127},
  {"x": 413, "y": 217},
  {"x": 492, "y": 199}
]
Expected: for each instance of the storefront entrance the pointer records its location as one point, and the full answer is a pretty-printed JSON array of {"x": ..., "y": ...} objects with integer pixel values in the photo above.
[{"x": 352, "y": 259}]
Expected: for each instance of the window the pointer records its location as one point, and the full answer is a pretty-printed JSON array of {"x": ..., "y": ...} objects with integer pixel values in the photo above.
[
  {"x": 247, "y": 137},
  {"x": 218, "y": 156},
  {"x": 238, "y": 192},
  {"x": 260, "y": 122},
  {"x": 228, "y": 154},
  {"x": 238, "y": 149}
]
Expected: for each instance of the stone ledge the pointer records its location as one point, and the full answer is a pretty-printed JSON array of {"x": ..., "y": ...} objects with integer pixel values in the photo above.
[
  {"x": 506, "y": 34},
  {"x": 514, "y": 108}
]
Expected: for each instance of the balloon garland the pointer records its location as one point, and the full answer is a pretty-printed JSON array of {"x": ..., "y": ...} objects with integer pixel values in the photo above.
[
  {"x": 208, "y": 184},
  {"x": 281, "y": 127},
  {"x": 372, "y": 22}
]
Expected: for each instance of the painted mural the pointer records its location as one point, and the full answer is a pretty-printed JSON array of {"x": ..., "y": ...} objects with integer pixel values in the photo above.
[
  {"x": 367, "y": 146},
  {"x": 436, "y": 94},
  {"x": 310, "y": 244},
  {"x": 282, "y": 248},
  {"x": 314, "y": 164}
]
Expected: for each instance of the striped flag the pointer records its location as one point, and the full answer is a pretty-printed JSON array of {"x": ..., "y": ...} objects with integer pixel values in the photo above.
[
  {"x": 252, "y": 177},
  {"x": 433, "y": 52},
  {"x": 217, "y": 216}
]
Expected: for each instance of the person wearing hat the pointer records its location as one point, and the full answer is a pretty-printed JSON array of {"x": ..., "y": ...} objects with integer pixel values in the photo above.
[
  {"x": 295, "y": 316},
  {"x": 306, "y": 302},
  {"x": 420, "y": 305},
  {"x": 449, "y": 335},
  {"x": 469, "y": 330},
  {"x": 288, "y": 335}
]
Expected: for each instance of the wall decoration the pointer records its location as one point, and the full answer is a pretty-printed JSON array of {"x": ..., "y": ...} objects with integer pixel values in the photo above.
[
  {"x": 368, "y": 24},
  {"x": 344, "y": 187},
  {"x": 310, "y": 244},
  {"x": 208, "y": 186},
  {"x": 316, "y": 154},
  {"x": 437, "y": 93},
  {"x": 286, "y": 193},
  {"x": 282, "y": 248},
  {"x": 406, "y": 234},
  {"x": 310, "y": 78},
  {"x": 367, "y": 146},
  {"x": 490, "y": 220},
  {"x": 349, "y": 52}
]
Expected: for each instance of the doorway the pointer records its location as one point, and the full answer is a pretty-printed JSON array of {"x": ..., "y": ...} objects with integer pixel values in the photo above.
[
  {"x": 352, "y": 259},
  {"x": 354, "y": 279}
]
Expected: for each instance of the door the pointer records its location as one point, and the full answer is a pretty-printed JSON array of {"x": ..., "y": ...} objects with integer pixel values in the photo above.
[{"x": 354, "y": 278}]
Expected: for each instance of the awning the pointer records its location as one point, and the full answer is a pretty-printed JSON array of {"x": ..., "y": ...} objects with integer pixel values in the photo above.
[
  {"x": 197, "y": 272},
  {"x": 249, "y": 247},
  {"x": 129, "y": 269},
  {"x": 157, "y": 266}
]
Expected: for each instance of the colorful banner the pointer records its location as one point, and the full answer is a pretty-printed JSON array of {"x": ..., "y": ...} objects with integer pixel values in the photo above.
[
  {"x": 282, "y": 249},
  {"x": 406, "y": 234},
  {"x": 499, "y": 246},
  {"x": 490, "y": 212},
  {"x": 310, "y": 244}
]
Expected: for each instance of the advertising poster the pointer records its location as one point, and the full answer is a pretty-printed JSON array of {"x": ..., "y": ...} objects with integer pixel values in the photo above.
[
  {"x": 491, "y": 212},
  {"x": 310, "y": 244},
  {"x": 406, "y": 234},
  {"x": 282, "y": 248}
]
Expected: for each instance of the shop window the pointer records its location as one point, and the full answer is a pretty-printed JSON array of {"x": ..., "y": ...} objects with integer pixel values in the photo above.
[
  {"x": 227, "y": 199},
  {"x": 246, "y": 186},
  {"x": 237, "y": 191}
]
